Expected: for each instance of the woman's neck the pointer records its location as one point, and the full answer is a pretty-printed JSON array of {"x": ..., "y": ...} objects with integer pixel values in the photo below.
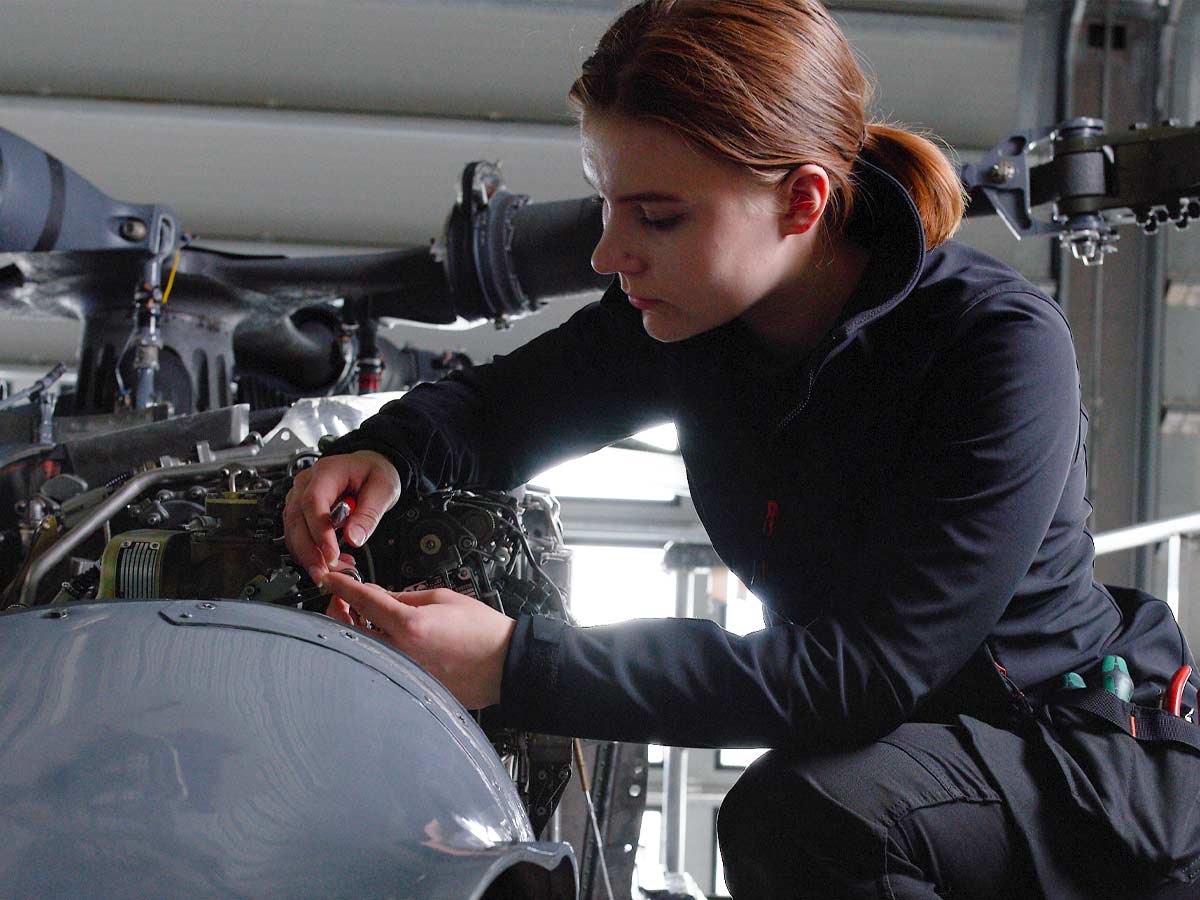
[{"x": 791, "y": 321}]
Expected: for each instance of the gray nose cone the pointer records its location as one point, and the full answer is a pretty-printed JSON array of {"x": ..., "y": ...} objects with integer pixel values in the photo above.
[{"x": 230, "y": 749}]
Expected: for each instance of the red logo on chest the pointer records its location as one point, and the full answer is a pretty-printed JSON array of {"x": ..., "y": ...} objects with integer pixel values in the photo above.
[{"x": 769, "y": 520}]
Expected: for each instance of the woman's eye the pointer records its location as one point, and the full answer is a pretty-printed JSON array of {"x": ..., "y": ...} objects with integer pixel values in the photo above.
[{"x": 660, "y": 224}]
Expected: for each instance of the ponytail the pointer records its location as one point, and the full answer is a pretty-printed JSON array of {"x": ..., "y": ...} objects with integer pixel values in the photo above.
[
  {"x": 766, "y": 85},
  {"x": 925, "y": 172}
]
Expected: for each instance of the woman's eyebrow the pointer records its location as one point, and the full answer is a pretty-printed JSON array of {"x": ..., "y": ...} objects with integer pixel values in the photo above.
[{"x": 642, "y": 196}]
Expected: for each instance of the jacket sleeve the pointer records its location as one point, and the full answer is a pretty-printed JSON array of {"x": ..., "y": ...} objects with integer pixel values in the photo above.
[
  {"x": 995, "y": 429},
  {"x": 578, "y": 387}
]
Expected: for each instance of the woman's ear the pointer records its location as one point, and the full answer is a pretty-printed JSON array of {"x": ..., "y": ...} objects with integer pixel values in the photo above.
[{"x": 805, "y": 194}]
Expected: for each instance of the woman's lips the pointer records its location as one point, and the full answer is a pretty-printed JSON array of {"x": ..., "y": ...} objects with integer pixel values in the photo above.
[{"x": 642, "y": 302}]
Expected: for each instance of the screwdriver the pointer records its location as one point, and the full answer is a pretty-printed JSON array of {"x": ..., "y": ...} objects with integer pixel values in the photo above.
[
  {"x": 1114, "y": 675},
  {"x": 1073, "y": 680}
]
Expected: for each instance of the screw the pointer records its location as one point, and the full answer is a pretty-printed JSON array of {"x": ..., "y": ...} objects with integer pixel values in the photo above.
[
  {"x": 321, "y": 637},
  {"x": 431, "y": 544},
  {"x": 541, "y": 775},
  {"x": 207, "y": 605},
  {"x": 1002, "y": 173},
  {"x": 635, "y": 790},
  {"x": 467, "y": 542},
  {"x": 133, "y": 229},
  {"x": 56, "y": 614},
  {"x": 411, "y": 513},
  {"x": 350, "y": 635},
  {"x": 185, "y": 615}
]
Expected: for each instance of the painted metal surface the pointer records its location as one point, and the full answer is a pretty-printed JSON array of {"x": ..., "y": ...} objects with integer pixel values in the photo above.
[{"x": 193, "y": 749}]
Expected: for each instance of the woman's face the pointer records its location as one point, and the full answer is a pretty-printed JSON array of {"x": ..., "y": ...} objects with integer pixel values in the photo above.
[{"x": 696, "y": 242}]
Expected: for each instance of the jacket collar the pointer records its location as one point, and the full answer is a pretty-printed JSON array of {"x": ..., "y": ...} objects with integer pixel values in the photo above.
[{"x": 884, "y": 220}]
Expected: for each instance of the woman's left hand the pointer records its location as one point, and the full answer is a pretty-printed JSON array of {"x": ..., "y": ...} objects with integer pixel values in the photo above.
[{"x": 457, "y": 639}]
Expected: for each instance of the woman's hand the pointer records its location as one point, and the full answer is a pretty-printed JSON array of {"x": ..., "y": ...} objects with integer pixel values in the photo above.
[
  {"x": 457, "y": 639},
  {"x": 368, "y": 476}
]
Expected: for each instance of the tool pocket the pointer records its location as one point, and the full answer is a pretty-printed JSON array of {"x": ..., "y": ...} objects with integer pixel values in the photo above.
[{"x": 1134, "y": 774}]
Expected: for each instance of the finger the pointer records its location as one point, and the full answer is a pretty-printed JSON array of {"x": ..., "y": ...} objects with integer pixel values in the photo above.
[
  {"x": 300, "y": 545},
  {"x": 329, "y": 481},
  {"x": 375, "y": 496},
  {"x": 370, "y": 600},
  {"x": 431, "y": 597},
  {"x": 339, "y": 610}
]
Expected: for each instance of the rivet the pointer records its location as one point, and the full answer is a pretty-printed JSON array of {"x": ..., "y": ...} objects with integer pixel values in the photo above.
[
  {"x": 207, "y": 605},
  {"x": 321, "y": 637},
  {"x": 185, "y": 615},
  {"x": 350, "y": 635}
]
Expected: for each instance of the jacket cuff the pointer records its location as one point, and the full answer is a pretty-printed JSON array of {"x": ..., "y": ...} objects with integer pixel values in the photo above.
[{"x": 529, "y": 684}]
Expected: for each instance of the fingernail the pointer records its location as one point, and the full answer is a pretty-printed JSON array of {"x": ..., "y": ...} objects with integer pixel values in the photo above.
[
  {"x": 357, "y": 535},
  {"x": 333, "y": 557}
]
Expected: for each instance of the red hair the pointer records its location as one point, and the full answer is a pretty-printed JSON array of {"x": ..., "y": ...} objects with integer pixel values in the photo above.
[{"x": 767, "y": 85}]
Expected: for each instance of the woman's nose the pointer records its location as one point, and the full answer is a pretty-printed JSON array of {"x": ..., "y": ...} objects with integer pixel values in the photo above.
[{"x": 611, "y": 257}]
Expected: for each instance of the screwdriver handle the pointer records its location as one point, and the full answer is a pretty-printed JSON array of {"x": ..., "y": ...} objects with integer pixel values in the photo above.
[
  {"x": 1073, "y": 680},
  {"x": 1114, "y": 675}
]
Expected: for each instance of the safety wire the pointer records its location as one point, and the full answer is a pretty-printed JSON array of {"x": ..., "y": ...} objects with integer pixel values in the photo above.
[{"x": 577, "y": 745}]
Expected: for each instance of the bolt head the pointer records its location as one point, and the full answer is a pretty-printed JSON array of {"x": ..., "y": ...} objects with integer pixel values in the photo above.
[
  {"x": 133, "y": 229},
  {"x": 1001, "y": 173},
  {"x": 207, "y": 605}
]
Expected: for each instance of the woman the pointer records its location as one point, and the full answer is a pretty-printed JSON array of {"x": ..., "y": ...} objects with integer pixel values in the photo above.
[{"x": 883, "y": 437}]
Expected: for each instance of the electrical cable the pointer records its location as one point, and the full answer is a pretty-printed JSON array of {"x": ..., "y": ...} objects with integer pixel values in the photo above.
[{"x": 174, "y": 269}]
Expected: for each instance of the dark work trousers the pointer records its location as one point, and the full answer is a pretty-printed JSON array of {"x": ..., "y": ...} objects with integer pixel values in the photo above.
[{"x": 910, "y": 817}]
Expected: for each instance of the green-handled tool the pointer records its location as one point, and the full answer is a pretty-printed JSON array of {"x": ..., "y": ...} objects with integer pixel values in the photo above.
[
  {"x": 1114, "y": 675},
  {"x": 1073, "y": 680}
]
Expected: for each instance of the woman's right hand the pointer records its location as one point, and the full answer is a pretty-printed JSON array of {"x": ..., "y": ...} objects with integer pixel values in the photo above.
[{"x": 367, "y": 476}]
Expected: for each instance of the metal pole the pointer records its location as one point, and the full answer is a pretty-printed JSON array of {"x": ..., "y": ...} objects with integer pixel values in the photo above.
[{"x": 675, "y": 758}]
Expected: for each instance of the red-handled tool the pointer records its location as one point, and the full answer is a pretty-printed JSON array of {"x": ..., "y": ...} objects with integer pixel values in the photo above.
[{"x": 1173, "y": 699}]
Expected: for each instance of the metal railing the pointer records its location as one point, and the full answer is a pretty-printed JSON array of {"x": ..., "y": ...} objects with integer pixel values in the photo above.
[{"x": 1172, "y": 531}]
